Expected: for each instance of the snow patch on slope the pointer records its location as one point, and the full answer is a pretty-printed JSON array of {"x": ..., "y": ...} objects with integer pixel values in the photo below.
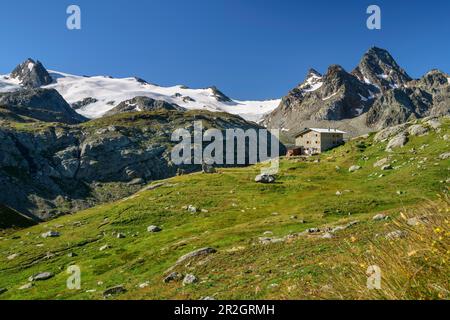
[
  {"x": 8, "y": 84},
  {"x": 312, "y": 83}
]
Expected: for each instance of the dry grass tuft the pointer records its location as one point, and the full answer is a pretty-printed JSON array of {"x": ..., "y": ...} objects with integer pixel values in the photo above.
[{"x": 414, "y": 264}]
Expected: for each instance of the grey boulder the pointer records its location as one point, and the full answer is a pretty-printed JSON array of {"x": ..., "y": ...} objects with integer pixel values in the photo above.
[{"x": 265, "y": 178}]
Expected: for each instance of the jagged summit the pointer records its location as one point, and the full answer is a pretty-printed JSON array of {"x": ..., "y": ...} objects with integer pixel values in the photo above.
[
  {"x": 32, "y": 74},
  {"x": 313, "y": 73},
  {"x": 379, "y": 68},
  {"x": 313, "y": 82}
]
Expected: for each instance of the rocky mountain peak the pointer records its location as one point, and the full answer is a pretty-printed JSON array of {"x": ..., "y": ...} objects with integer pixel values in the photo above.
[
  {"x": 313, "y": 73},
  {"x": 219, "y": 95},
  {"x": 313, "y": 82},
  {"x": 336, "y": 77},
  {"x": 379, "y": 68},
  {"x": 435, "y": 78},
  {"x": 32, "y": 74},
  {"x": 336, "y": 71}
]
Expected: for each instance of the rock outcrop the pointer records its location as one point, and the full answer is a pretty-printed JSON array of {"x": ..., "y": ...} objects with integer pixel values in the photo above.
[
  {"x": 40, "y": 104},
  {"x": 138, "y": 104}
]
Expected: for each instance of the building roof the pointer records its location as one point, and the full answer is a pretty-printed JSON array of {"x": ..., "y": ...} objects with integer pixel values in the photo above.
[{"x": 320, "y": 130}]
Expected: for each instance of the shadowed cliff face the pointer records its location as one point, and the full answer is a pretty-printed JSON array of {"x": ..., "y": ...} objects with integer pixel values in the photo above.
[{"x": 40, "y": 104}]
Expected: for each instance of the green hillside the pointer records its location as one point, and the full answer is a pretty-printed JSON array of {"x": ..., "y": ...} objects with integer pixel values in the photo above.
[{"x": 258, "y": 232}]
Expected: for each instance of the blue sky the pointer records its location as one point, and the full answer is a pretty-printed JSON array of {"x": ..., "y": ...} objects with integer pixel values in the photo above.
[{"x": 250, "y": 49}]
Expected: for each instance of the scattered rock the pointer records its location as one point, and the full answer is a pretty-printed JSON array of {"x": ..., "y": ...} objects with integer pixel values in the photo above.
[
  {"x": 114, "y": 291},
  {"x": 444, "y": 156},
  {"x": 192, "y": 209},
  {"x": 380, "y": 217},
  {"x": 397, "y": 234},
  {"x": 13, "y": 256},
  {"x": 3, "y": 290},
  {"x": 208, "y": 169},
  {"x": 328, "y": 235},
  {"x": 49, "y": 256},
  {"x": 41, "y": 276},
  {"x": 72, "y": 255},
  {"x": 354, "y": 168},
  {"x": 397, "y": 142},
  {"x": 144, "y": 285},
  {"x": 265, "y": 178},
  {"x": 414, "y": 222},
  {"x": 50, "y": 234},
  {"x": 381, "y": 162},
  {"x": 105, "y": 247},
  {"x": 26, "y": 286},
  {"x": 120, "y": 236},
  {"x": 189, "y": 279},
  {"x": 266, "y": 240},
  {"x": 434, "y": 123},
  {"x": 341, "y": 228},
  {"x": 195, "y": 254},
  {"x": 417, "y": 130},
  {"x": 154, "y": 229},
  {"x": 338, "y": 193},
  {"x": 387, "y": 167},
  {"x": 208, "y": 298},
  {"x": 389, "y": 132},
  {"x": 174, "y": 276},
  {"x": 338, "y": 228}
]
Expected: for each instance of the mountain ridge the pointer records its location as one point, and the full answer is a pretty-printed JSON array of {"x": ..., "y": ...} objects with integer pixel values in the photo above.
[
  {"x": 378, "y": 93},
  {"x": 321, "y": 99},
  {"x": 94, "y": 96}
]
